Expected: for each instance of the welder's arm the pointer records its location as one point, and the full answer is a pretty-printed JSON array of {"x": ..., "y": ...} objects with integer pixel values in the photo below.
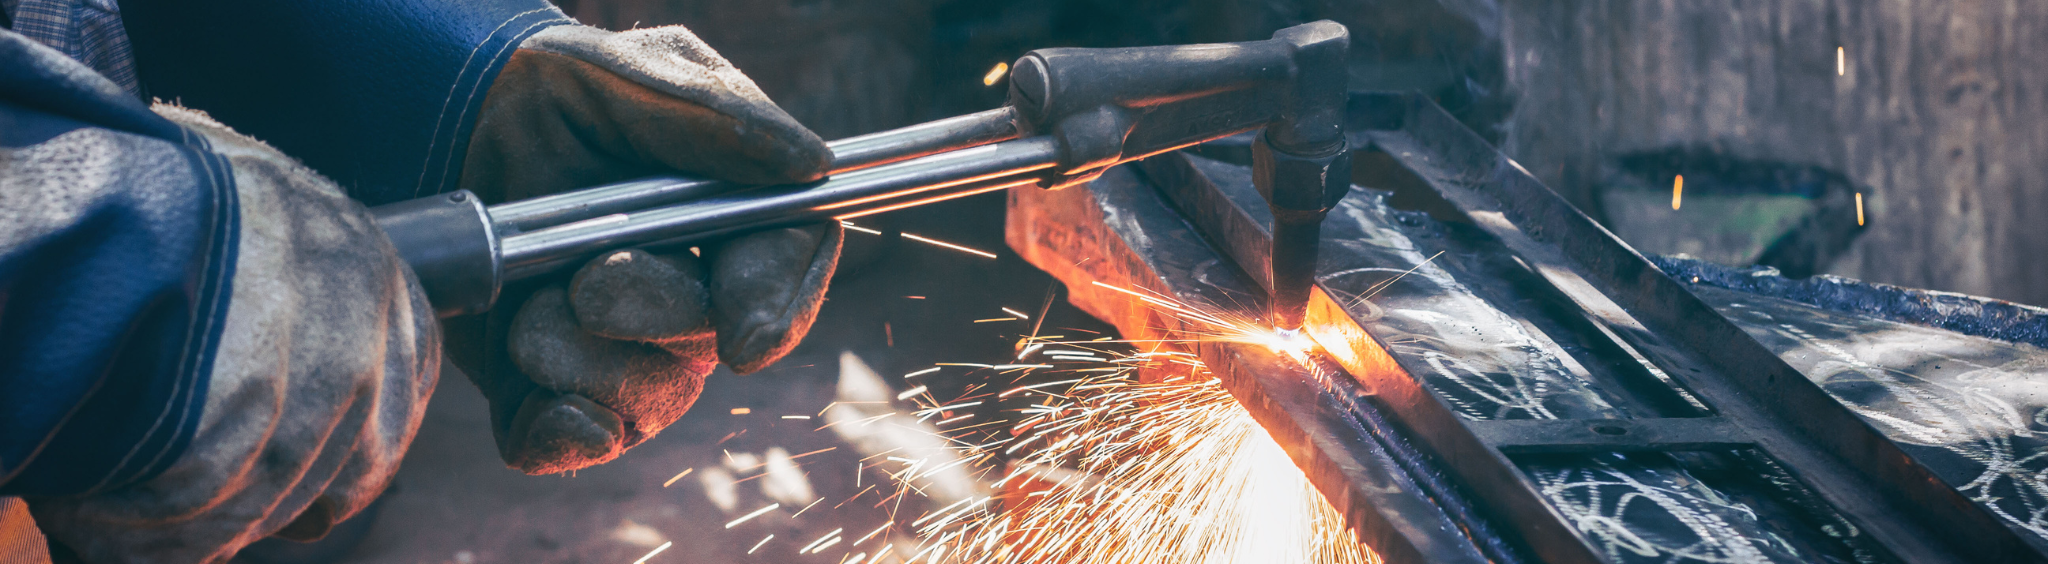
[
  {"x": 202, "y": 342},
  {"x": 396, "y": 99},
  {"x": 378, "y": 95}
]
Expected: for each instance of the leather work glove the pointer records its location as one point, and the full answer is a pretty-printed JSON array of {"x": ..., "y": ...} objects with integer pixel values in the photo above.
[
  {"x": 584, "y": 368},
  {"x": 197, "y": 283}
]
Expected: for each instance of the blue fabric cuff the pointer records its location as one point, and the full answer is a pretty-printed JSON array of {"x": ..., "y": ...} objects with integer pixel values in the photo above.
[
  {"x": 379, "y": 95},
  {"x": 111, "y": 312}
]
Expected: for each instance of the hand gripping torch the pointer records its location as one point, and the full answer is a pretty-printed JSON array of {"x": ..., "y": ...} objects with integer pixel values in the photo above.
[{"x": 1071, "y": 114}]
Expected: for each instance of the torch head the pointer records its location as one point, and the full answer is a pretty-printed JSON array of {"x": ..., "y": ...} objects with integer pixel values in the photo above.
[
  {"x": 1301, "y": 164},
  {"x": 1300, "y": 190},
  {"x": 1109, "y": 106},
  {"x": 1104, "y": 107}
]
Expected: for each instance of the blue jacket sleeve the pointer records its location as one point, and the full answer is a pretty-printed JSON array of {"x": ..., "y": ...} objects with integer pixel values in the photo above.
[
  {"x": 117, "y": 238},
  {"x": 379, "y": 95}
]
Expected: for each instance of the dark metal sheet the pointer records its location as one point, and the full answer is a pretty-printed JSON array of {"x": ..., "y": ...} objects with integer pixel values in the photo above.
[
  {"x": 1973, "y": 409},
  {"x": 1517, "y": 436},
  {"x": 1859, "y": 472},
  {"x": 1587, "y": 407},
  {"x": 1474, "y": 347}
]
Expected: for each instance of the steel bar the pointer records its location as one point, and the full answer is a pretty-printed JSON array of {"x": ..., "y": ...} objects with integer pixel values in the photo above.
[
  {"x": 1459, "y": 351},
  {"x": 1117, "y": 231},
  {"x": 1518, "y": 436},
  {"x": 1476, "y": 452},
  {"x": 1536, "y": 340},
  {"x": 1224, "y": 209},
  {"x": 848, "y": 155},
  {"x": 1842, "y": 458},
  {"x": 911, "y": 182},
  {"x": 1758, "y": 412}
]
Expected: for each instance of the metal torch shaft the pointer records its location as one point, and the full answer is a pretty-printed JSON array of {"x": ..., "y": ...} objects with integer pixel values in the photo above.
[
  {"x": 902, "y": 184},
  {"x": 849, "y": 154}
]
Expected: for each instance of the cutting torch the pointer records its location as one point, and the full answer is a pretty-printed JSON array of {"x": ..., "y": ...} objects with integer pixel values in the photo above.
[{"x": 1071, "y": 114}]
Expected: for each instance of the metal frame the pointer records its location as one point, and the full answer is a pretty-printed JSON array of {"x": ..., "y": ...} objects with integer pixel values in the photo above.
[
  {"x": 1764, "y": 403},
  {"x": 1118, "y": 231},
  {"x": 1757, "y": 402}
]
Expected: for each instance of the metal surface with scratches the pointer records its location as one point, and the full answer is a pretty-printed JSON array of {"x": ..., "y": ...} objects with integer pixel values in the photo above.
[
  {"x": 1119, "y": 232},
  {"x": 1538, "y": 391}
]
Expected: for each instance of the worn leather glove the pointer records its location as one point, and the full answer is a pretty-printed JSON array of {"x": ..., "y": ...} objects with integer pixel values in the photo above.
[
  {"x": 585, "y": 368},
  {"x": 324, "y": 348}
]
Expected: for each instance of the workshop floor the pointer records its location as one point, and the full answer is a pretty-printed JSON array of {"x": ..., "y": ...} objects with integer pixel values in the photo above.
[{"x": 456, "y": 503}]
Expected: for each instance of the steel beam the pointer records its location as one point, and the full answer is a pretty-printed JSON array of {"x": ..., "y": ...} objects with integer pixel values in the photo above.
[
  {"x": 1539, "y": 336},
  {"x": 1116, "y": 231},
  {"x": 1859, "y": 472}
]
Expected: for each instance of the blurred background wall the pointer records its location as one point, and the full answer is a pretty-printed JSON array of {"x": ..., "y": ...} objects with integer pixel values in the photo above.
[{"x": 1938, "y": 116}]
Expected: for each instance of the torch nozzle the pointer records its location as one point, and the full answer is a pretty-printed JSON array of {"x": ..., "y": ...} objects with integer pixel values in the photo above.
[
  {"x": 1300, "y": 190},
  {"x": 1294, "y": 265}
]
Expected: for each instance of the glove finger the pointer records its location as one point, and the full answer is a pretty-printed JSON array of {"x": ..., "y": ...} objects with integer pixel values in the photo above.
[
  {"x": 648, "y": 386},
  {"x": 555, "y": 433},
  {"x": 636, "y": 296},
  {"x": 578, "y": 107},
  {"x": 506, "y": 390},
  {"x": 682, "y": 105},
  {"x": 765, "y": 291}
]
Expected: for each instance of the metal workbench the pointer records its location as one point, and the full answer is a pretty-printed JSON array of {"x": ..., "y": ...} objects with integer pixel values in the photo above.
[{"x": 1539, "y": 392}]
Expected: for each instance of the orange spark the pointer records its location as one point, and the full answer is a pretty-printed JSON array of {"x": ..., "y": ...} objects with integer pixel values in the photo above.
[
  {"x": 850, "y": 225},
  {"x": 1677, "y": 190},
  {"x": 995, "y": 74},
  {"x": 823, "y": 542},
  {"x": 657, "y": 550},
  {"x": 1131, "y": 472},
  {"x": 981, "y": 253},
  {"x": 1105, "y": 468},
  {"x": 756, "y": 513},
  {"x": 678, "y": 477},
  {"x": 826, "y": 449}
]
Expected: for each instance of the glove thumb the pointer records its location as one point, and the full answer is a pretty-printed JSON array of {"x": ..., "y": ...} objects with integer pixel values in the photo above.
[{"x": 578, "y": 106}]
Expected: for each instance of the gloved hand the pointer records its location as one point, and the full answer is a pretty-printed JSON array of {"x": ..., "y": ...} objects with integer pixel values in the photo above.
[
  {"x": 323, "y": 349},
  {"x": 585, "y": 368}
]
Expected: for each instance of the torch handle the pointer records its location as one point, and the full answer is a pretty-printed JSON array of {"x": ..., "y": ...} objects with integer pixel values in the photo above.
[{"x": 1072, "y": 113}]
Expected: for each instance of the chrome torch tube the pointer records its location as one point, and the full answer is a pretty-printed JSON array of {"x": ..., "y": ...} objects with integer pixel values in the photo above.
[
  {"x": 849, "y": 154},
  {"x": 881, "y": 188}
]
